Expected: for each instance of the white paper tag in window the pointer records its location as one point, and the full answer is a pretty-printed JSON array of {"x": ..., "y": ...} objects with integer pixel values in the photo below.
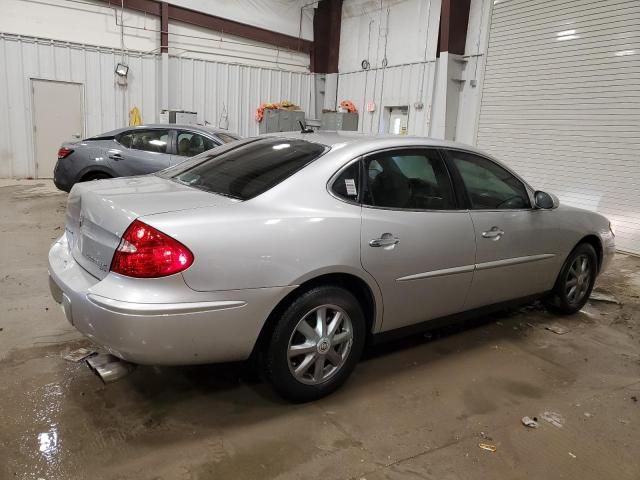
[{"x": 350, "y": 183}]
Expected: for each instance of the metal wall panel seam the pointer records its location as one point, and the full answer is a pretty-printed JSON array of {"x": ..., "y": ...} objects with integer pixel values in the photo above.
[{"x": 8, "y": 111}]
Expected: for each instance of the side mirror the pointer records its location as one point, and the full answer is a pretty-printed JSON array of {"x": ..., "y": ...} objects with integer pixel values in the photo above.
[{"x": 546, "y": 201}]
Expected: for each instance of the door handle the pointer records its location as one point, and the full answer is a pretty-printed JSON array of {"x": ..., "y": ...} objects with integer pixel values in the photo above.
[
  {"x": 494, "y": 234},
  {"x": 115, "y": 156},
  {"x": 386, "y": 240}
]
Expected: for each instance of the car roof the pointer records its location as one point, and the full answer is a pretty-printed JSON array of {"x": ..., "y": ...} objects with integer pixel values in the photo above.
[
  {"x": 334, "y": 138},
  {"x": 182, "y": 126}
]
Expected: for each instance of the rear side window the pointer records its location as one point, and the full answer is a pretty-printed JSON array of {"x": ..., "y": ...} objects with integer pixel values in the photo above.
[
  {"x": 347, "y": 184},
  {"x": 247, "y": 171},
  {"x": 408, "y": 179},
  {"x": 147, "y": 140},
  {"x": 191, "y": 144}
]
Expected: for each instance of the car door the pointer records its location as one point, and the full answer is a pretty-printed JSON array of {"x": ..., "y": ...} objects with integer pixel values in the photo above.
[
  {"x": 415, "y": 242},
  {"x": 189, "y": 144},
  {"x": 140, "y": 151},
  {"x": 515, "y": 244}
]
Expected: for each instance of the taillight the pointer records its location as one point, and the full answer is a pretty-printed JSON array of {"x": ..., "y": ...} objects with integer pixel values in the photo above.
[
  {"x": 145, "y": 252},
  {"x": 64, "y": 152}
]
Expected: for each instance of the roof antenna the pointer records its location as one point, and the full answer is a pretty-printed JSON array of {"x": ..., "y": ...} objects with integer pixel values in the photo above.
[{"x": 304, "y": 129}]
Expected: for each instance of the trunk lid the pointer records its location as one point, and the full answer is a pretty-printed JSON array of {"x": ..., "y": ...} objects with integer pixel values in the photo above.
[{"x": 99, "y": 212}]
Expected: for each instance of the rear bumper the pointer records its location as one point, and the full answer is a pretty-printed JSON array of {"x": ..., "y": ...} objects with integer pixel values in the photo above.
[
  {"x": 61, "y": 178},
  {"x": 206, "y": 327}
]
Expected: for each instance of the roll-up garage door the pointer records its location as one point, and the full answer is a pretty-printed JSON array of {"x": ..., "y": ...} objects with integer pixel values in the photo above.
[{"x": 561, "y": 102}]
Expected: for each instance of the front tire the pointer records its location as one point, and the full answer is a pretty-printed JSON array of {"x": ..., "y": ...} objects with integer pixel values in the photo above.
[
  {"x": 89, "y": 177},
  {"x": 315, "y": 345},
  {"x": 575, "y": 282}
]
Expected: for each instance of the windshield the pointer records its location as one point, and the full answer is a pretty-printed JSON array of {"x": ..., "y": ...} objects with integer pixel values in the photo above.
[{"x": 246, "y": 170}]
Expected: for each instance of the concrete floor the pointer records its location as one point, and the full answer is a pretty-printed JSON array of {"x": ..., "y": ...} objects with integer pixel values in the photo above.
[{"x": 413, "y": 410}]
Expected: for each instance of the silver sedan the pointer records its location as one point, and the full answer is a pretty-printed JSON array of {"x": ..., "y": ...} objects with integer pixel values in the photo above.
[{"x": 298, "y": 249}]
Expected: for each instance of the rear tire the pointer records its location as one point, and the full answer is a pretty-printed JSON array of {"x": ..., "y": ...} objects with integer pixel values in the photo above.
[
  {"x": 575, "y": 282},
  {"x": 315, "y": 345}
]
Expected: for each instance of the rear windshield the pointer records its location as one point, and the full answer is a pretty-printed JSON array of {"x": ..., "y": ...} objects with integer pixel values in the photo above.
[{"x": 248, "y": 170}]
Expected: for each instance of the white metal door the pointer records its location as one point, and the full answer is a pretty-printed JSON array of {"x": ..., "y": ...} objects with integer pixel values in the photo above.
[
  {"x": 561, "y": 102},
  {"x": 57, "y": 118}
]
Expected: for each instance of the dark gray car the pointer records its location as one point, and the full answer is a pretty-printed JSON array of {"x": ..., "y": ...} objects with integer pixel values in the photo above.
[{"x": 133, "y": 151}]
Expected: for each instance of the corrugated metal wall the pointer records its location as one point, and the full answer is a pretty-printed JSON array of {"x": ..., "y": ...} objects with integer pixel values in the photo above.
[
  {"x": 105, "y": 103},
  {"x": 402, "y": 85},
  {"x": 561, "y": 103},
  {"x": 207, "y": 87},
  {"x": 216, "y": 90}
]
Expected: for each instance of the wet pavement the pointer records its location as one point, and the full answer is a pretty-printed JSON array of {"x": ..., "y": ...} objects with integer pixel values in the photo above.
[{"x": 415, "y": 409}]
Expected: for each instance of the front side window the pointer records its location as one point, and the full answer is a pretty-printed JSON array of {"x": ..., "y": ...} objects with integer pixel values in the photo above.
[
  {"x": 488, "y": 185},
  {"x": 408, "y": 179},
  {"x": 147, "y": 140},
  {"x": 249, "y": 169},
  {"x": 191, "y": 144}
]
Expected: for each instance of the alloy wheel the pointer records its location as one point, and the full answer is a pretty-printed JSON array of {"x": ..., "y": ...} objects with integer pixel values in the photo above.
[
  {"x": 578, "y": 279},
  {"x": 320, "y": 344}
]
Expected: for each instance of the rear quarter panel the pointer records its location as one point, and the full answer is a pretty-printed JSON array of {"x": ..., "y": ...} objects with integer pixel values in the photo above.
[
  {"x": 91, "y": 156},
  {"x": 292, "y": 233},
  {"x": 265, "y": 242}
]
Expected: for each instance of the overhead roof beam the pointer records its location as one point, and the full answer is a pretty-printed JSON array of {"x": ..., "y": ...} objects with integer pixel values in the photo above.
[
  {"x": 217, "y": 24},
  {"x": 164, "y": 27},
  {"x": 454, "y": 19},
  {"x": 326, "y": 32}
]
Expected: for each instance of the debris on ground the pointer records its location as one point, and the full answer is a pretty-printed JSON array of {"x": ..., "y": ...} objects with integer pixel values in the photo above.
[
  {"x": 634, "y": 398},
  {"x": 488, "y": 447},
  {"x": 572, "y": 455},
  {"x": 553, "y": 418},
  {"x": 485, "y": 436},
  {"x": 604, "y": 297},
  {"x": 588, "y": 415},
  {"x": 530, "y": 422},
  {"x": 557, "y": 328},
  {"x": 624, "y": 421},
  {"x": 80, "y": 354}
]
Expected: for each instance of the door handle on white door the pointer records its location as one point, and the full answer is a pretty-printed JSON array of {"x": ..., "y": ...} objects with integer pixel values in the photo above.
[
  {"x": 494, "y": 234},
  {"x": 386, "y": 240}
]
